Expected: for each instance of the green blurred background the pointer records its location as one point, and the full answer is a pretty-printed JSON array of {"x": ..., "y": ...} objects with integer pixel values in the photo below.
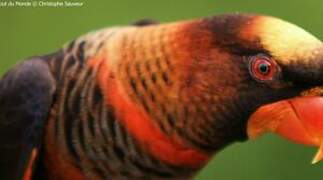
[{"x": 28, "y": 31}]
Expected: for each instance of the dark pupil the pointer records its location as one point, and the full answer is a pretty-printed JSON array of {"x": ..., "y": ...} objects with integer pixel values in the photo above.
[{"x": 263, "y": 68}]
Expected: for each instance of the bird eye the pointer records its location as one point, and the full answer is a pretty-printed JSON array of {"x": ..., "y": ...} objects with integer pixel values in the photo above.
[{"x": 263, "y": 68}]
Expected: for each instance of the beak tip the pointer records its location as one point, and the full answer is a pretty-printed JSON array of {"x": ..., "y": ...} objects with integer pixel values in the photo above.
[
  {"x": 319, "y": 155},
  {"x": 315, "y": 161}
]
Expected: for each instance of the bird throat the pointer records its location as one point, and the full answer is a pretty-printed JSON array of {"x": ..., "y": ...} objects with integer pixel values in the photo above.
[{"x": 169, "y": 149}]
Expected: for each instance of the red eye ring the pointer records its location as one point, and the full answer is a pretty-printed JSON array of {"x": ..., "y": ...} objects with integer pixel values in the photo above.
[{"x": 263, "y": 68}]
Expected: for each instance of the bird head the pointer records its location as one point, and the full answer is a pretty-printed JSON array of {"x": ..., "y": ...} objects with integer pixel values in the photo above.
[
  {"x": 299, "y": 59},
  {"x": 270, "y": 75}
]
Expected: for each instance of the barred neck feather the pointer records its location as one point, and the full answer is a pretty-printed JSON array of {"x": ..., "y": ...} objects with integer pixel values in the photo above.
[{"x": 84, "y": 134}]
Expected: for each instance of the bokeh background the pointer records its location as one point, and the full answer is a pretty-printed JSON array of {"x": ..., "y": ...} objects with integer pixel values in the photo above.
[{"x": 27, "y": 31}]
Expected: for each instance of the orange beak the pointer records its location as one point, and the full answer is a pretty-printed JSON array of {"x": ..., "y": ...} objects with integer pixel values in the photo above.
[{"x": 299, "y": 120}]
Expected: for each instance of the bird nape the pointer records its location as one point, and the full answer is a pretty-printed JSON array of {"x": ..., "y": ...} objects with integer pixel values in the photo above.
[{"x": 156, "y": 101}]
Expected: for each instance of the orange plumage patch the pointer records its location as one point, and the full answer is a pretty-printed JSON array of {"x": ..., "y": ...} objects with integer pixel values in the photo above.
[{"x": 29, "y": 171}]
